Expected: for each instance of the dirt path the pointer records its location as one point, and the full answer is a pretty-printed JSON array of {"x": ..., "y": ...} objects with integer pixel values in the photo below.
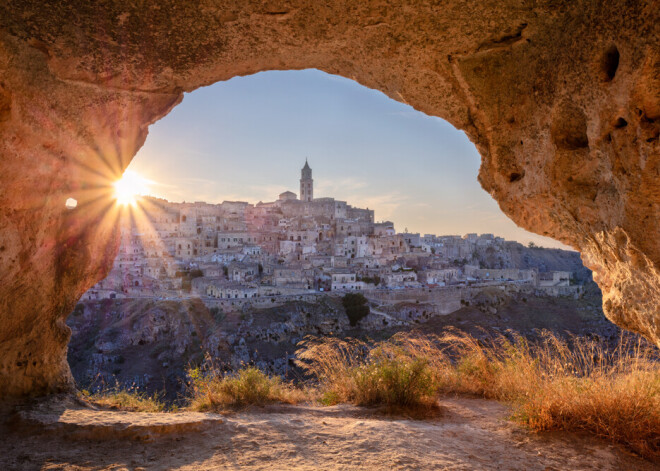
[{"x": 472, "y": 434}]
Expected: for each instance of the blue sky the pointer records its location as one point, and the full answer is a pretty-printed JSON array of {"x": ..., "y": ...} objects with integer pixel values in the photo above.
[{"x": 247, "y": 138}]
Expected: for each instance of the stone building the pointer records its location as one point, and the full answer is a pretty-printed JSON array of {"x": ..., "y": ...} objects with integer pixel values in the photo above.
[
  {"x": 287, "y": 196},
  {"x": 344, "y": 281},
  {"x": 306, "y": 184}
]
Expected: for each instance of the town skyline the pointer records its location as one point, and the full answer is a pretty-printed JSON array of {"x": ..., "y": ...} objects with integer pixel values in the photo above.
[
  {"x": 242, "y": 140},
  {"x": 149, "y": 183}
]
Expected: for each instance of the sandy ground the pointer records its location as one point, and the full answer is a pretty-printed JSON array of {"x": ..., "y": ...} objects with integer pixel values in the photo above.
[{"x": 471, "y": 434}]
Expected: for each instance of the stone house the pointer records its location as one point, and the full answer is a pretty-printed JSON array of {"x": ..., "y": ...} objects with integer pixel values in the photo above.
[
  {"x": 240, "y": 272},
  {"x": 232, "y": 291},
  {"x": 555, "y": 278},
  {"x": 344, "y": 281},
  {"x": 401, "y": 279},
  {"x": 442, "y": 277}
]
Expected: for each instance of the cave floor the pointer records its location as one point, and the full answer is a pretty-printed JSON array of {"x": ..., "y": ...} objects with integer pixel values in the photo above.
[{"x": 469, "y": 434}]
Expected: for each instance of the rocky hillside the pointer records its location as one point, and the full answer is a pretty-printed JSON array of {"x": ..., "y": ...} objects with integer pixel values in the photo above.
[
  {"x": 150, "y": 344},
  {"x": 514, "y": 254}
]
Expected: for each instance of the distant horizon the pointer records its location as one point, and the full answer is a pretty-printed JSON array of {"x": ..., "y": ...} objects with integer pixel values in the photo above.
[{"x": 246, "y": 139}]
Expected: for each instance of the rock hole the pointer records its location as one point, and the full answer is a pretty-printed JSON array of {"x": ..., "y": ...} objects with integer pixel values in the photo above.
[
  {"x": 514, "y": 177},
  {"x": 610, "y": 63},
  {"x": 569, "y": 127},
  {"x": 620, "y": 123},
  {"x": 71, "y": 203}
]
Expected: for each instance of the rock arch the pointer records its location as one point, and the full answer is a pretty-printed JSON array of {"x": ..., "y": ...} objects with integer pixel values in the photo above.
[{"x": 542, "y": 88}]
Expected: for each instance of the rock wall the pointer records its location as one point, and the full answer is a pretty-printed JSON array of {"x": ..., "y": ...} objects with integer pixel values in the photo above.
[{"x": 561, "y": 97}]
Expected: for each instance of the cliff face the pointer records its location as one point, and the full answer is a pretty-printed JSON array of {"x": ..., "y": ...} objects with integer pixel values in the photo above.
[
  {"x": 150, "y": 344},
  {"x": 562, "y": 99}
]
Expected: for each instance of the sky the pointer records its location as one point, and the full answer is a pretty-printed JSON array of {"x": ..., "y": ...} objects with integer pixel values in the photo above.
[{"x": 246, "y": 139}]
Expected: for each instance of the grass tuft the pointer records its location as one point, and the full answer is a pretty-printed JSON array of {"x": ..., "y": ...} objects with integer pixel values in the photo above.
[
  {"x": 383, "y": 375},
  {"x": 212, "y": 391},
  {"x": 125, "y": 399}
]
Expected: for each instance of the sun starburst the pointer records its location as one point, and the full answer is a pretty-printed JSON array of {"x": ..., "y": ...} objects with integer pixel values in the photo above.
[{"x": 130, "y": 187}]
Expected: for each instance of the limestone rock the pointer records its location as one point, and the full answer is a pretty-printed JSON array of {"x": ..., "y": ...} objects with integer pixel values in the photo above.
[{"x": 78, "y": 422}]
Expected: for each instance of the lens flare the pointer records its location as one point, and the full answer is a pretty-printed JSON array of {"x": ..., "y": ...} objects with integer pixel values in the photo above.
[{"x": 130, "y": 187}]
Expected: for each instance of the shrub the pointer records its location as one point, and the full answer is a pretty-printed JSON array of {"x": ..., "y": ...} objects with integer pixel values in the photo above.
[
  {"x": 217, "y": 313},
  {"x": 371, "y": 279},
  {"x": 211, "y": 390},
  {"x": 384, "y": 375},
  {"x": 395, "y": 382},
  {"x": 355, "y": 305}
]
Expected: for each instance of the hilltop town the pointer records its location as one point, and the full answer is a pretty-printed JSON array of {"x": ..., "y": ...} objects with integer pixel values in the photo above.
[{"x": 295, "y": 248}]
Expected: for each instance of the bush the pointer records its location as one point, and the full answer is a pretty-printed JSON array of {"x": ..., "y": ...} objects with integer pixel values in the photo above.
[
  {"x": 355, "y": 305},
  {"x": 396, "y": 382},
  {"x": 217, "y": 313},
  {"x": 383, "y": 375},
  {"x": 211, "y": 390},
  {"x": 371, "y": 279}
]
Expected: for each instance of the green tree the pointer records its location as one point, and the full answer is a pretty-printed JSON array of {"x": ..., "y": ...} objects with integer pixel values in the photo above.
[
  {"x": 217, "y": 313},
  {"x": 356, "y": 307}
]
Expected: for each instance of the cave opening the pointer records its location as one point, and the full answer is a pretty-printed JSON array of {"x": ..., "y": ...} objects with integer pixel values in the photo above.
[{"x": 239, "y": 144}]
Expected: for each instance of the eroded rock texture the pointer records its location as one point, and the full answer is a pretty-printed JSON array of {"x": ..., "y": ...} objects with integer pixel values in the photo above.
[{"x": 561, "y": 97}]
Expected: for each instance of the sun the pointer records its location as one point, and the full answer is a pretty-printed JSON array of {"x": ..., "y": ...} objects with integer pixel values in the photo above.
[{"x": 130, "y": 187}]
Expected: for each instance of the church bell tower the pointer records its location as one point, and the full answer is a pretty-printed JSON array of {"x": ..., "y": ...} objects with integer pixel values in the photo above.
[{"x": 306, "y": 183}]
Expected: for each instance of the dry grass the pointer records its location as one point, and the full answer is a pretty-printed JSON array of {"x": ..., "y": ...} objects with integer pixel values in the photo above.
[
  {"x": 386, "y": 374},
  {"x": 553, "y": 384},
  {"x": 210, "y": 390},
  {"x": 125, "y": 399}
]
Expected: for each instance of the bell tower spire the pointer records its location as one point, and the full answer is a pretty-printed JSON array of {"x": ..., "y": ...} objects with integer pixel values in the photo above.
[{"x": 306, "y": 183}]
